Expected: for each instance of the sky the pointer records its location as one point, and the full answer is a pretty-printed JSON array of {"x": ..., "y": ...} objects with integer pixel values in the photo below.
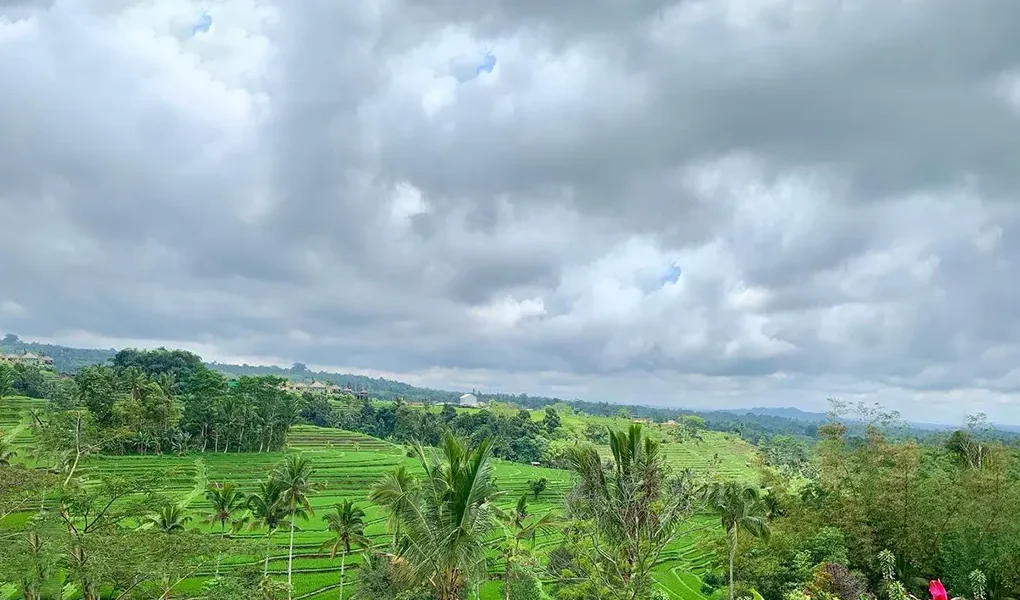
[{"x": 699, "y": 203}]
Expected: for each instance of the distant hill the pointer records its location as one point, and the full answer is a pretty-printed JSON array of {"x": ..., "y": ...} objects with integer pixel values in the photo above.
[
  {"x": 65, "y": 359},
  {"x": 788, "y": 412},
  {"x": 785, "y": 412},
  {"x": 383, "y": 389}
]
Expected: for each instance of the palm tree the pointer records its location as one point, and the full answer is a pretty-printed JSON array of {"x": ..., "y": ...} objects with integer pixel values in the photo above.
[
  {"x": 295, "y": 474},
  {"x": 394, "y": 492},
  {"x": 226, "y": 502},
  {"x": 738, "y": 507},
  {"x": 268, "y": 510},
  {"x": 170, "y": 519},
  {"x": 517, "y": 529},
  {"x": 445, "y": 525},
  {"x": 347, "y": 522},
  {"x": 634, "y": 508}
]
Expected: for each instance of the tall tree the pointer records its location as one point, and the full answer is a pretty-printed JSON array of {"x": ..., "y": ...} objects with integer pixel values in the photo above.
[
  {"x": 446, "y": 523},
  {"x": 395, "y": 492},
  {"x": 98, "y": 390},
  {"x": 629, "y": 512},
  {"x": 518, "y": 528},
  {"x": 295, "y": 476},
  {"x": 70, "y": 436},
  {"x": 93, "y": 517},
  {"x": 739, "y": 508},
  {"x": 551, "y": 421},
  {"x": 226, "y": 502},
  {"x": 268, "y": 510},
  {"x": 347, "y": 523}
]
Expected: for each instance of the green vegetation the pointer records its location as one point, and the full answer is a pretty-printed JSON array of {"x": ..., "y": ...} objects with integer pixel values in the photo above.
[{"x": 155, "y": 477}]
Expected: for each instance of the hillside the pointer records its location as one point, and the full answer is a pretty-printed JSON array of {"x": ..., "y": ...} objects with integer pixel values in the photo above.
[{"x": 65, "y": 359}]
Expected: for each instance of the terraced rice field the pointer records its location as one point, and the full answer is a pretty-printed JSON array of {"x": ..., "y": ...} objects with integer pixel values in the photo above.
[
  {"x": 717, "y": 455},
  {"x": 346, "y": 465},
  {"x": 15, "y": 426}
]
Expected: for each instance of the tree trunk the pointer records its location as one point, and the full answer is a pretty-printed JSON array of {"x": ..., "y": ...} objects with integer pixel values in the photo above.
[
  {"x": 506, "y": 578},
  {"x": 290, "y": 556},
  {"x": 733, "y": 553},
  {"x": 343, "y": 561},
  {"x": 219, "y": 553},
  {"x": 269, "y": 548},
  {"x": 74, "y": 466}
]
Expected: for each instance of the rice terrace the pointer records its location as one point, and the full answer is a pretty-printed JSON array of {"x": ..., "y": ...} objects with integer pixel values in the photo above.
[
  {"x": 346, "y": 465},
  {"x": 155, "y": 475}
]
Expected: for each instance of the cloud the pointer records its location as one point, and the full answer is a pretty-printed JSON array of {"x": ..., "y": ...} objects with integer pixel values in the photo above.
[{"x": 302, "y": 182}]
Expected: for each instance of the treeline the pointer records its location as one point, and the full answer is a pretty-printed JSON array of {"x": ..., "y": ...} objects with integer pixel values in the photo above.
[
  {"x": 28, "y": 380},
  {"x": 750, "y": 426},
  {"x": 515, "y": 437},
  {"x": 168, "y": 401}
]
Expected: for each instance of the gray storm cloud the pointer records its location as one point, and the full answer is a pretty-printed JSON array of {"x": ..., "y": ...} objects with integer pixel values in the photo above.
[{"x": 304, "y": 182}]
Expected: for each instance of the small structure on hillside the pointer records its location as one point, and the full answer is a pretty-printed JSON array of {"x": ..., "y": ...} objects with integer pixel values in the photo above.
[
  {"x": 469, "y": 400},
  {"x": 28, "y": 358},
  {"x": 315, "y": 387},
  {"x": 361, "y": 394}
]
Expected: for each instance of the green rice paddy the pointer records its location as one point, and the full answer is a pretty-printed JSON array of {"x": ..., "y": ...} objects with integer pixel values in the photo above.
[{"x": 346, "y": 465}]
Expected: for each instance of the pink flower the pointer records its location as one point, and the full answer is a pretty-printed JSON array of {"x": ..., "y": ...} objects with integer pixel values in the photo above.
[{"x": 938, "y": 591}]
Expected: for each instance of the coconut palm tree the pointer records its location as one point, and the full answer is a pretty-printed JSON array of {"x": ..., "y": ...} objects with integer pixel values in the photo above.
[
  {"x": 295, "y": 474},
  {"x": 517, "y": 528},
  {"x": 226, "y": 503},
  {"x": 170, "y": 519},
  {"x": 394, "y": 492},
  {"x": 739, "y": 508},
  {"x": 268, "y": 510},
  {"x": 347, "y": 522},
  {"x": 446, "y": 523}
]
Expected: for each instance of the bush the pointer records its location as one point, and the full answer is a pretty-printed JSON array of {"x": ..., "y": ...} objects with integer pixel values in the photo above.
[
  {"x": 524, "y": 585},
  {"x": 711, "y": 582}
]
